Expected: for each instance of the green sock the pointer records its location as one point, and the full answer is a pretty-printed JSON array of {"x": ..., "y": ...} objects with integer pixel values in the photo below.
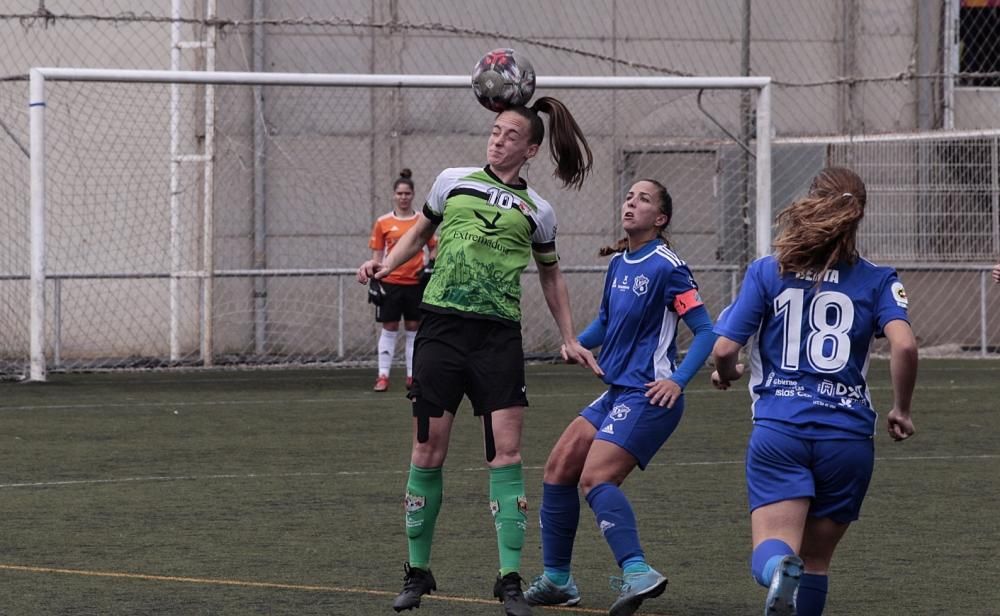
[
  {"x": 510, "y": 514},
  {"x": 423, "y": 502}
]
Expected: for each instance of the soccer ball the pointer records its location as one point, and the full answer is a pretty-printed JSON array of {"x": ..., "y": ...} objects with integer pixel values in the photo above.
[{"x": 503, "y": 79}]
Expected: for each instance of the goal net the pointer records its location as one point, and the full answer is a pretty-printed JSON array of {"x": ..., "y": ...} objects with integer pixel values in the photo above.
[{"x": 189, "y": 219}]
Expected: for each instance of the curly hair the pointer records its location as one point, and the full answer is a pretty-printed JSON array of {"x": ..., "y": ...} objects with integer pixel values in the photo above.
[{"x": 820, "y": 230}]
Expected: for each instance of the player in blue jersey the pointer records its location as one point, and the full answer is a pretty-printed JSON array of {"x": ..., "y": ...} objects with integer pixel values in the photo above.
[
  {"x": 648, "y": 289},
  {"x": 809, "y": 314}
]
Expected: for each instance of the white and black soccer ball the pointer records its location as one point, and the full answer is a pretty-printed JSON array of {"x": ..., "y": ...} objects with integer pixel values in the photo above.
[{"x": 503, "y": 79}]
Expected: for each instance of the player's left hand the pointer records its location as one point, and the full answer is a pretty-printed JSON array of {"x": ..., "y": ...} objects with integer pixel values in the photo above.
[
  {"x": 574, "y": 353},
  {"x": 900, "y": 425},
  {"x": 720, "y": 383},
  {"x": 663, "y": 392}
]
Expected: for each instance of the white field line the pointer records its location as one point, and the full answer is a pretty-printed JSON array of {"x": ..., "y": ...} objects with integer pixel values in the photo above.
[
  {"x": 174, "y": 579},
  {"x": 319, "y": 375},
  {"x": 403, "y": 471},
  {"x": 370, "y": 396}
]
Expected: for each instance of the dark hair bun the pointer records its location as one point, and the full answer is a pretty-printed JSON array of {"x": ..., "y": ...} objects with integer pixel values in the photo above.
[{"x": 406, "y": 173}]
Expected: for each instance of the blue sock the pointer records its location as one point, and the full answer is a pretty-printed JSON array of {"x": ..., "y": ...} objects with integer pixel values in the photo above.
[
  {"x": 558, "y": 519},
  {"x": 616, "y": 521},
  {"x": 766, "y": 557},
  {"x": 812, "y": 594}
]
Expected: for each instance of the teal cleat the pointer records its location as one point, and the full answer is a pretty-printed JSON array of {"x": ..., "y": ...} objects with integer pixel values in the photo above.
[
  {"x": 636, "y": 588},
  {"x": 784, "y": 586},
  {"x": 544, "y": 591}
]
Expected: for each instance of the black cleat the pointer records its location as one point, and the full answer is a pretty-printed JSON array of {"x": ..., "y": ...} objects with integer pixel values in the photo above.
[
  {"x": 508, "y": 591},
  {"x": 416, "y": 583}
]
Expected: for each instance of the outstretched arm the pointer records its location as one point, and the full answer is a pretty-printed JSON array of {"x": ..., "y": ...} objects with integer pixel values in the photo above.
[
  {"x": 903, "y": 372},
  {"x": 408, "y": 245},
  {"x": 557, "y": 298}
]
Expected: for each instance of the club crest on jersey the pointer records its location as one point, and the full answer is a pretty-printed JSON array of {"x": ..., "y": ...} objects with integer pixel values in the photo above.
[
  {"x": 619, "y": 412},
  {"x": 899, "y": 294},
  {"x": 414, "y": 503},
  {"x": 640, "y": 285}
]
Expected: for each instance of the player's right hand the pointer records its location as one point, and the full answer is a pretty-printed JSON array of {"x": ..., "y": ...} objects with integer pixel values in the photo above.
[
  {"x": 900, "y": 425},
  {"x": 368, "y": 270},
  {"x": 573, "y": 353}
]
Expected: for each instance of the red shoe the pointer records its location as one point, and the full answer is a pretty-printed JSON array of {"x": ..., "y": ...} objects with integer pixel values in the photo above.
[
  {"x": 381, "y": 383},
  {"x": 409, "y": 383}
]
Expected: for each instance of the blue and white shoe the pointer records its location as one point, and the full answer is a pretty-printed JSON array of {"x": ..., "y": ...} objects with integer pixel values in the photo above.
[
  {"x": 784, "y": 587},
  {"x": 544, "y": 591},
  {"x": 636, "y": 588}
]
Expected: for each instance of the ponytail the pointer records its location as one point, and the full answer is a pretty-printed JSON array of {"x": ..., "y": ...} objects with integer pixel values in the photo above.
[{"x": 567, "y": 145}]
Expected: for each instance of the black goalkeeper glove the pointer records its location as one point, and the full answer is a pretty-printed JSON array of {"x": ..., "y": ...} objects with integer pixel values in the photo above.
[{"x": 376, "y": 293}]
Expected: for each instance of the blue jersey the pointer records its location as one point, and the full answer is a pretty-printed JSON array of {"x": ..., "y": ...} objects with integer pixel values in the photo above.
[
  {"x": 809, "y": 346},
  {"x": 645, "y": 294}
]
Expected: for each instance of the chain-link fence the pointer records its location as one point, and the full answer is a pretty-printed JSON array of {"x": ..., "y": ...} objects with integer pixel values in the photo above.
[{"x": 899, "y": 91}]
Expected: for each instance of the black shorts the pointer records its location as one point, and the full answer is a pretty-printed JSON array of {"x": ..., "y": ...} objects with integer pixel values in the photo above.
[
  {"x": 402, "y": 301},
  {"x": 455, "y": 356}
]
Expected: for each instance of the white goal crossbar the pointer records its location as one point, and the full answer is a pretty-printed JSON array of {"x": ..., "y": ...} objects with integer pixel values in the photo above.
[{"x": 37, "y": 107}]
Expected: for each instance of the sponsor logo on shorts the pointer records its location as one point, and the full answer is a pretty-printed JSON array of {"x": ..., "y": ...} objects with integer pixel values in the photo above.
[{"x": 608, "y": 429}]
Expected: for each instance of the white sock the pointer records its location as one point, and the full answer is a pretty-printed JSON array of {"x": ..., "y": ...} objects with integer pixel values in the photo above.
[
  {"x": 386, "y": 349},
  {"x": 410, "y": 337}
]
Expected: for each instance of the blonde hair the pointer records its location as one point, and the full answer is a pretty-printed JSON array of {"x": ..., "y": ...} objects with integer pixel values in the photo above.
[{"x": 820, "y": 229}]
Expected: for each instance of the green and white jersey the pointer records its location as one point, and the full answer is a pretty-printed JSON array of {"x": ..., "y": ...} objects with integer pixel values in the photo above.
[{"x": 487, "y": 232}]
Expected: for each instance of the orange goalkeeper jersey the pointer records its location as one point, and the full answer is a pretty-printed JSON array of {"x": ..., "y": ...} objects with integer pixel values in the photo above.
[{"x": 385, "y": 233}]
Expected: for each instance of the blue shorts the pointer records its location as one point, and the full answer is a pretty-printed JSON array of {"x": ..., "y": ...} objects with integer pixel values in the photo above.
[
  {"x": 624, "y": 416},
  {"x": 833, "y": 473}
]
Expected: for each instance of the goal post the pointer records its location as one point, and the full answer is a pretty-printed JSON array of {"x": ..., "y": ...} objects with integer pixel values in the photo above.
[{"x": 639, "y": 133}]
